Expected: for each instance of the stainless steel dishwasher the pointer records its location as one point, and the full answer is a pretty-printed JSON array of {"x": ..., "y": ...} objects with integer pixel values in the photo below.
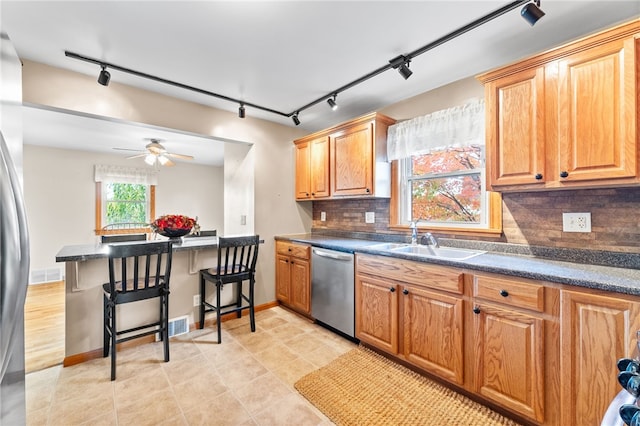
[{"x": 333, "y": 290}]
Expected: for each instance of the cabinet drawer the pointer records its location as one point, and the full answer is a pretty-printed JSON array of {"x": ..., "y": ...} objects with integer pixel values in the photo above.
[
  {"x": 418, "y": 273},
  {"x": 296, "y": 250},
  {"x": 520, "y": 293}
]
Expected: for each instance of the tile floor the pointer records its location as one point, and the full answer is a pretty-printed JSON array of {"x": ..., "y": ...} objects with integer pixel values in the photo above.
[{"x": 246, "y": 380}]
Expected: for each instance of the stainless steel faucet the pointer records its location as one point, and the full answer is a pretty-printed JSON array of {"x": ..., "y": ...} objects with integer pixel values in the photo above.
[
  {"x": 414, "y": 232},
  {"x": 429, "y": 240}
]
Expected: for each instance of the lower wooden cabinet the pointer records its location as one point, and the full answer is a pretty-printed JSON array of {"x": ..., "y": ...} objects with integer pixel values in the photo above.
[
  {"x": 417, "y": 322},
  {"x": 509, "y": 344},
  {"x": 293, "y": 280},
  {"x": 597, "y": 330}
]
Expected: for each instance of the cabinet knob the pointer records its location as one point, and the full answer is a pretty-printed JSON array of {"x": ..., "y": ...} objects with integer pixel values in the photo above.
[
  {"x": 367, "y": 190},
  {"x": 538, "y": 176},
  {"x": 476, "y": 310},
  {"x": 564, "y": 174},
  {"x": 307, "y": 193},
  {"x": 504, "y": 293},
  {"x": 405, "y": 291},
  {"x": 313, "y": 193},
  {"x": 392, "y": 289}
]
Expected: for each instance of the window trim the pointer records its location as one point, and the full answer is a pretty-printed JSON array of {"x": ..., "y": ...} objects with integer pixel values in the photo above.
[
  {"x": 99, "y": 226},
  {"x": 494, "y": 211}
]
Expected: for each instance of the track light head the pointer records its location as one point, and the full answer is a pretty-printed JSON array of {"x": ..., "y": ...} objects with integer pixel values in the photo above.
[
  {"x": 104, "y": 76},
  {"x": 401, "y": 63},
  {"x": 532, "y": 12},
  {"x": 295, "y": 119},
  {"x": 332, "y": 102},
  {"x": 241, "y": 111}
]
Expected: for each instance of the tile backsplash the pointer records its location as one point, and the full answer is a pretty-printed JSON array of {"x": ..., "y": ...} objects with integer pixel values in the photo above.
[{"x": 531, "y": 218}]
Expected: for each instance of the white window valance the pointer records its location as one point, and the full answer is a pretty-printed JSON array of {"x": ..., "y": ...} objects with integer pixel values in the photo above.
[
  {"x": 454, "y": 127},
  {"x": 122, "y": 174}
]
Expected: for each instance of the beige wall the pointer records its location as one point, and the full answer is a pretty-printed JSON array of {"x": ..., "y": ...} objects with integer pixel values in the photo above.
[{"x": 276, "y": 211}]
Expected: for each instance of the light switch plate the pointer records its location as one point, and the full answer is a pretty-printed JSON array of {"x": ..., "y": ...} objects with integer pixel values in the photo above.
[
  {"x": 323, "y": 216},
  {"x": 576, "y": 222},
  {"x": 370, "y": 217}
]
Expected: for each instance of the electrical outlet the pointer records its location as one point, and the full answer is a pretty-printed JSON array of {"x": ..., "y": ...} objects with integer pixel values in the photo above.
[
  {"x": 243, "y": 219},
  {"x": 370, "y": 217},
  {"x": 323, "y": 216},
  {"x": 576, "y": 222},
  {"x": 196, "y": 300}
]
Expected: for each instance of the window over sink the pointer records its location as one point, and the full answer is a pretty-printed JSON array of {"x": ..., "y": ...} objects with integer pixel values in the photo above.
[{"x": 439, "y": 172}]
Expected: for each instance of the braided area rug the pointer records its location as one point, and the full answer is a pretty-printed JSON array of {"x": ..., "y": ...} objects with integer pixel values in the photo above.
[{"x": 362, "y": 387}]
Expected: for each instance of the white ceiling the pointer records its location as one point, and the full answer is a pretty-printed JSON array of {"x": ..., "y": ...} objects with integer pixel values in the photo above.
[{"x": 286, "y": 54}]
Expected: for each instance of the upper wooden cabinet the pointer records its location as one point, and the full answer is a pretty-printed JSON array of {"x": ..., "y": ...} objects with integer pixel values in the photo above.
[
  {"x": 348, "y": 160},
  {"x": 566, "y": 118},
  {"x": 312, "y": 168}
]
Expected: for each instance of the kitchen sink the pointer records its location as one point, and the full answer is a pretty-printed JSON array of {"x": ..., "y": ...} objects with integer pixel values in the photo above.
[
  {"x": 441, "y": 252},
  {"x": 387, "y": 246}
]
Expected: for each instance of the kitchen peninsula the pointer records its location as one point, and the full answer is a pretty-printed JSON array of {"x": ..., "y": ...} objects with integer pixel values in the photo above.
[{"x": 86, "y": 270}]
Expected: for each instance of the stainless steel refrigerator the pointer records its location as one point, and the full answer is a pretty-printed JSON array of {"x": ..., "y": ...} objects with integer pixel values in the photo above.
[{"x": 14, "y": 240}]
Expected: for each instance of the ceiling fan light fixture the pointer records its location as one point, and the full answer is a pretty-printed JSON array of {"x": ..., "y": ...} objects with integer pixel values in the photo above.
[
  {"x": 532, "y": 12},
  {"x": 104, "y": 76},
  {"x": 163, "y": 160},
  {"x": 150, "y": 159}
]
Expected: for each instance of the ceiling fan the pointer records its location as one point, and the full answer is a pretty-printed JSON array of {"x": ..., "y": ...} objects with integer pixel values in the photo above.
[{"x": 156, "y": 154}]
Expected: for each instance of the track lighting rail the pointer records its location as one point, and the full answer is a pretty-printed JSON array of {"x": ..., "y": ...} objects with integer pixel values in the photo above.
[{"x": 401, "y": 63}]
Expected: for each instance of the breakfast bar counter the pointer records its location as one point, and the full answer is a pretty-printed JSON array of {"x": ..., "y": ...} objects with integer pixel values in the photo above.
[{"x": 86, "y": 269}]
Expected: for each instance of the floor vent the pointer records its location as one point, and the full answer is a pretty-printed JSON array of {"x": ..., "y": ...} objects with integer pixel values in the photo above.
[
  {"x": 178, "y": 326},
  {"x": 39, "y": 276}
]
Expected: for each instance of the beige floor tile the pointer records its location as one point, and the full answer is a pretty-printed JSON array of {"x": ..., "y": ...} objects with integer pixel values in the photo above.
[
  {"x": 179, "y": 371},
  {"x": 81, "y": 410},
  {"x": 200, "y": 390},
  {"x": 275, "y": 356},
  {"x": 224, "y": 353},
  {"x": 259, "y": 341},
  {"x": 108, "y": 419},
  {"x": 223, "y": 410},
  {"x": 261, "y": 392},
  {"x": 149, "y": 409},
  {"x": 138, "y": 385},
  {"x": 292, "y": 409},
  {"x": 292, "y": 371},
  {"x": 289, "y": 331},
  {"x": 304, "y": 346},
  {"x": 238, "y": 373},
  {"x": 270, "y": 322},
  {"x": 37, "y": 417},
  {"x": 324, "y": 354}
]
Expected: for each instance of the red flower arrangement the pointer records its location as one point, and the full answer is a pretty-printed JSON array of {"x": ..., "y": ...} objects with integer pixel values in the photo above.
[{"x": 174, "y": 225}]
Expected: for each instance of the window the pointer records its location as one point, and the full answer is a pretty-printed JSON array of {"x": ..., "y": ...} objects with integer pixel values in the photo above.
[
  {"x": 444, "y": 188},
  {"x": 125, "y": 199},
  {"x": 438, "y": 163}
]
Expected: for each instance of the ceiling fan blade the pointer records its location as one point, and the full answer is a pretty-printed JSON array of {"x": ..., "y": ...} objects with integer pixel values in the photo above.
[
  {"x": 181, "y": 156},
  {"x": 169, "y": 163},
  {"x": 128, "y": 149},
  {"x": 137, "y": 156}
]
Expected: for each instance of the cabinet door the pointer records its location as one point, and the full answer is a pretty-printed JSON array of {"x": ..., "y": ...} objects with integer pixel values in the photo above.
[
  {"x": 283, "y": 278},
  {"x": 320, "y": 167},
  {"x": 432, "y": 332},
  {"x": 303, "y": 171},
  {"x": 509, "y": 365},
  {"x": 516, "y": 128},
  {"x": 352, "y": 161},
  {"x": 596, "y": 331},
  {"x": 377, "y": 312},
  {"x": 597, "y": 105},
  {"x": 300, "y": 289}
]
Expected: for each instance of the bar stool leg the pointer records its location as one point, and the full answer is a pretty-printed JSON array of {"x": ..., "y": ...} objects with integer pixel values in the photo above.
[
  {"x": 239, "y": 299},
  {"x": 105, "y": 327},
  {"x": 252, "y": 313},
  {"x": 218, "y": 285},
  {"x": 202, "y": 299},
  {"x": 114, "y": 338}
]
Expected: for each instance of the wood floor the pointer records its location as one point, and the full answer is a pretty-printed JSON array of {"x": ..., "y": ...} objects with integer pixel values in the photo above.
[{"x": 44, "y": 326}]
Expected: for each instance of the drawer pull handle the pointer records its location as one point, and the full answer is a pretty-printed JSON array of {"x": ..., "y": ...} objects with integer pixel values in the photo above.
[
  {"x": 392, "y": 289},
  {"x": 405, "y": 291},
  {"x": 476, "y": 310},
  {"x": 564, "y": 174},
  {"x": 538, "y": 176},
  {"x": 504, "y": 293}
]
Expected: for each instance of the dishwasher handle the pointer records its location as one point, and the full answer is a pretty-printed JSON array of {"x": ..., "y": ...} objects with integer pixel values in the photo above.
[{"x": 333, "y": 255}]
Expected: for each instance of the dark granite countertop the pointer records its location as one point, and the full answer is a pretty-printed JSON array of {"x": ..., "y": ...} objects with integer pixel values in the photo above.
[
  {"x": 608, "y": 278},
  {"x": 81, "y": 252}
]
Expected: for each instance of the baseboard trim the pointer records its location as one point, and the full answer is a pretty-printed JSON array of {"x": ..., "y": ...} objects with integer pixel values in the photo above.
[{"x": 97, "y": 353}]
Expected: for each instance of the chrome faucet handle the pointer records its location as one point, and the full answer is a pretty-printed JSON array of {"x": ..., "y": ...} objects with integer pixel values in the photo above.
[{"x": 429, "y": 240}]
